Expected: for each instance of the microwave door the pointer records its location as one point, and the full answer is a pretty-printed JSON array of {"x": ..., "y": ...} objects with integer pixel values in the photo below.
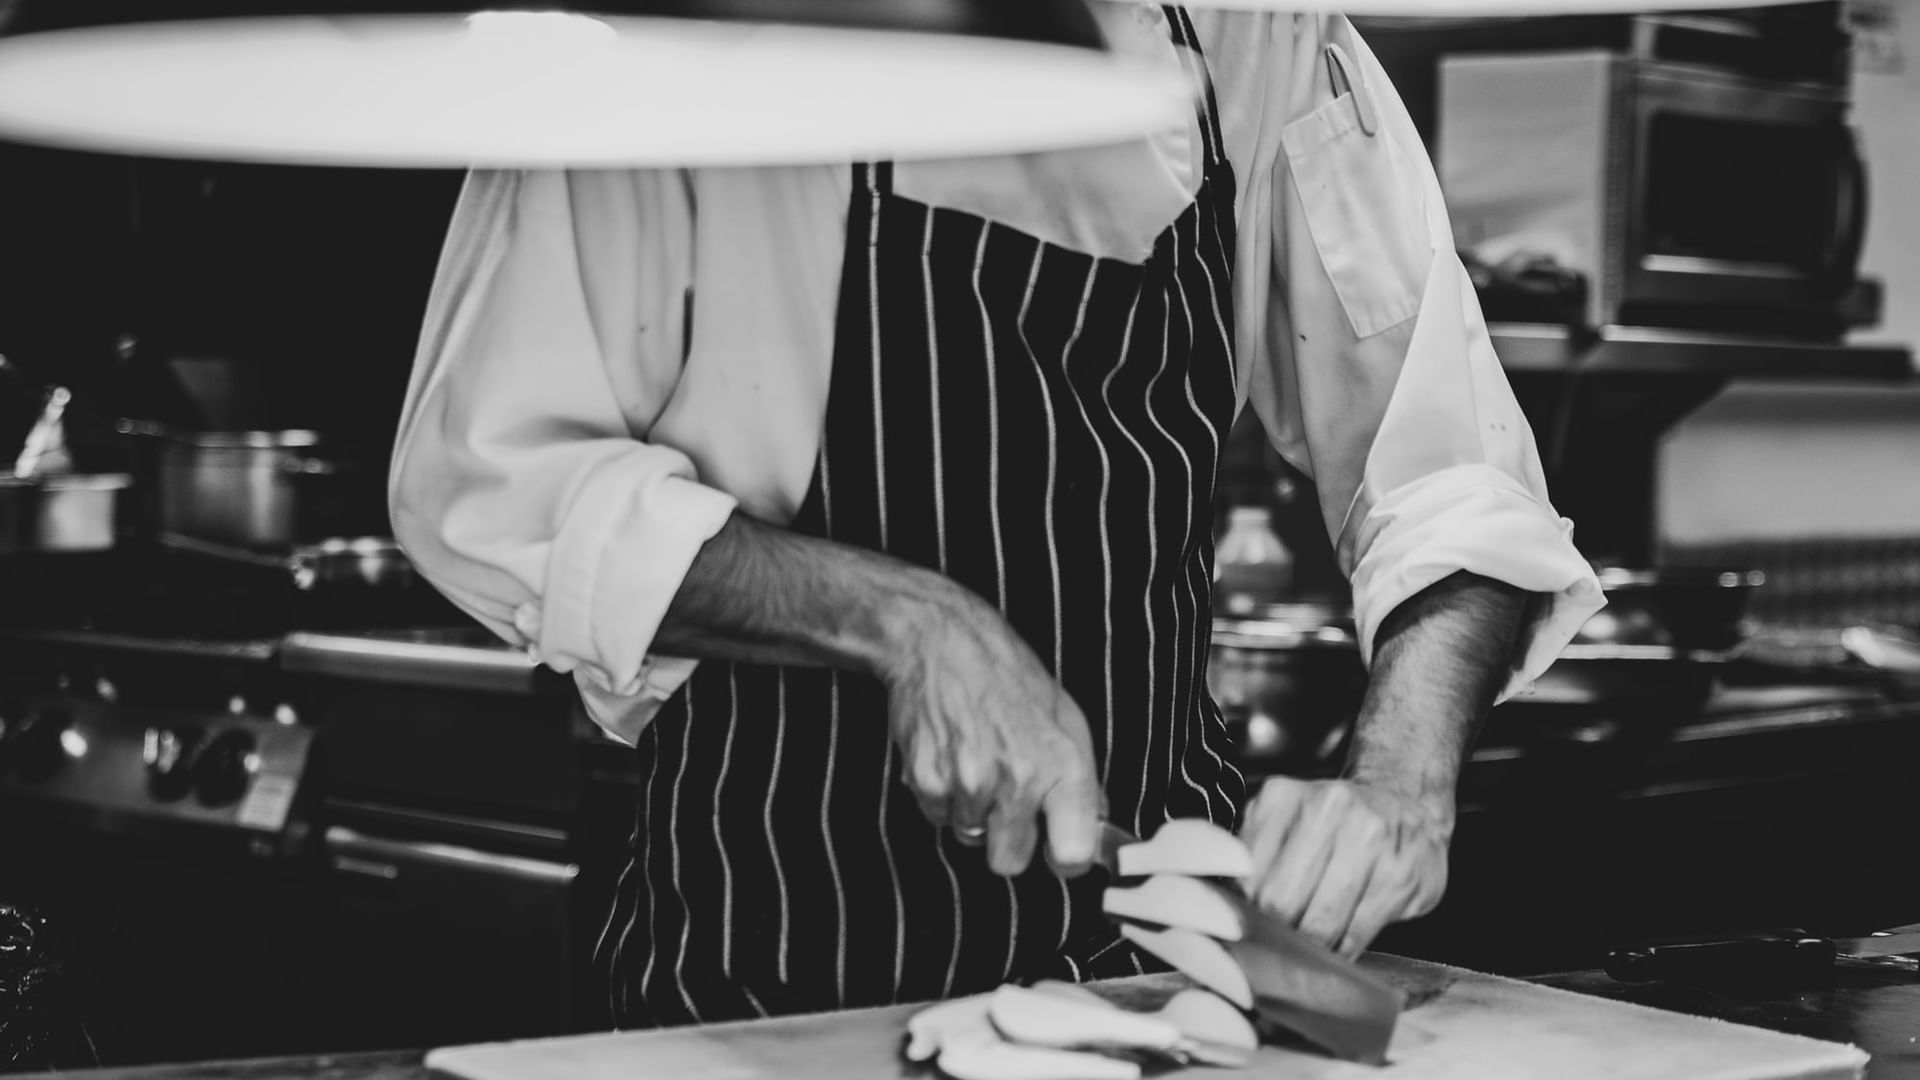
[{"x": 1746, "y": 195}]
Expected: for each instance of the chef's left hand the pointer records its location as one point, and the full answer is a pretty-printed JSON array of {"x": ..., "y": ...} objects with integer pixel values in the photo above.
[{"x": 1342, "y": 859}]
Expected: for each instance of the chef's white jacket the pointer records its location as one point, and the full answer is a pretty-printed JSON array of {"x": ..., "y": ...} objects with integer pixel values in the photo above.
[{"x": 613, "y": 361}]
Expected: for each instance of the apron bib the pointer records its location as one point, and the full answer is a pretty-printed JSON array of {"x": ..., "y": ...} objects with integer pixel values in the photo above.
[{"x": 1044, "y": 427}]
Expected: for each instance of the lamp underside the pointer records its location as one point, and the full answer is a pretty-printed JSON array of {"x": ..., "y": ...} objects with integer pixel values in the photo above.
[{"x": 546, "y": 89}]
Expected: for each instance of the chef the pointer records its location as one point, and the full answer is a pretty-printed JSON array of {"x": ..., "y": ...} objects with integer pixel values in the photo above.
[{"x": 873, "y": 505}]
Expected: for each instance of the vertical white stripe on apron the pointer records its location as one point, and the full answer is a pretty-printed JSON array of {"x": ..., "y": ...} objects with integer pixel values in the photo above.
[
  {"x": 1066, "y": 373},
  {"x": 933, "y": 366},
  {"x": 719, "y": 841},
  {"x": 1106, "y": 545},
  {"x": 1053, "y": 541},
  {"x": 773, "y": 786},
  {"x": 940, "y": 542},
  {"x": 1153, "y": 557},
  {"x": 1166, "y": 358},
  {"x": 999, "y": 547},
  {"x": 643, "y": 886},
  {"x": 826, "y": 788},
  {"x": 673, "y": 830},
  {"x": 873, "y": 347},
  {"x": 880, "y": 478},
  {"x": 1194, "y": 599},
  {"x": 826, "y": 834},
  {"x": 600, "y": 953}
]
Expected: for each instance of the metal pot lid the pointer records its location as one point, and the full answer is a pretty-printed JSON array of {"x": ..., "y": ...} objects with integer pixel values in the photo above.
[{"x": 248, "y": 440}]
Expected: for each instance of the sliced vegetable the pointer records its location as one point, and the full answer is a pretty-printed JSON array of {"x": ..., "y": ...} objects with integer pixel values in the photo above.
[
  {"x": 1038, "y": 1018},
  {"x": 1214, "y": 1032},
  {"x": 960, "y": 1020},
  {"x": 1185, "y": 902},
  {"x": 1190, "y": 847},
  {"x": 1201, "y": 958}
]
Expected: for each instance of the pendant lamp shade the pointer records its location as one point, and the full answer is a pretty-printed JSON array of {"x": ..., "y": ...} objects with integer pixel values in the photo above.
[
  {"x": 1458, "y": 9},
  {"x": 640, "y": 83}
]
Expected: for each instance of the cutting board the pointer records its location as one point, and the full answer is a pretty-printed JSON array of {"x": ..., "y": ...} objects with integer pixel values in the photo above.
[{"x": 1460, "y": 1026}]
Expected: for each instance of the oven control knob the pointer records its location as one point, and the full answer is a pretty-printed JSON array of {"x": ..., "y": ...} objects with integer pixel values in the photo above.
[
  {"x": 35, "y": 749},
  {"x": 224, "y": 767},
  {"x": 168, "y": 753}
]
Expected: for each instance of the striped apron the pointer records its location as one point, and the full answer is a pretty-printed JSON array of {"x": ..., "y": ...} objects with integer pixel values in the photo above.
[{"x": 1043, "y": 427}]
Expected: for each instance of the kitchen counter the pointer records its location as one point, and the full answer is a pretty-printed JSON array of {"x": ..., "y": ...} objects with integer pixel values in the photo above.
[
  {"x": 398, "y": 1065},
  {"x": 1878, "y": 1012}
]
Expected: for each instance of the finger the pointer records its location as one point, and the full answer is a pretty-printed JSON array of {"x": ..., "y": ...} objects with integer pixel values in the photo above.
[
  {"x": 968, "y": 819},
  {"x": 1381, "y": 907},
  {"x": 1269, "y": 818},
  {"x": 1073, "y": 809},
  {"x": 1296, "y": 870},
  {"x": 1357, "y": 857},
  {"x": 1012, "y": 834},
  {"x": 973, "y": 779},
  {"x": 923, "y": 774},
  {"x": 935, "y": 810}
]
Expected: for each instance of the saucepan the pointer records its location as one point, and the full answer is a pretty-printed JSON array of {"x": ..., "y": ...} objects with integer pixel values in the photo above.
[
  {"x": 262, "y": 490},
  {"x": 44, "y": 505},
  {"x": 1288, "y": 680},
  {"x": 61, "y": 511}
]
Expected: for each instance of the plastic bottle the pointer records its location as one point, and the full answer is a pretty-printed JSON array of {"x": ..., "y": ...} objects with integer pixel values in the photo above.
[{"x": 1252, "y": 567}]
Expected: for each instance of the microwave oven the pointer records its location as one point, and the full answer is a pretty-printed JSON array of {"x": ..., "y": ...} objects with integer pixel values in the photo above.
[{"x": 1684, "y": 196}]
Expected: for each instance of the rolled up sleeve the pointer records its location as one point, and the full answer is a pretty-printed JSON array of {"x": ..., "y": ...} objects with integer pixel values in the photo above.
[
  {"x": 523, "y": 485},
  {"x": 1373, "y": 371}
]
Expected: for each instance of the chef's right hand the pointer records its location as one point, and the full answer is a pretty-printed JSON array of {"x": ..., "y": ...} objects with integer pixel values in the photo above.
[{"x": 990, "y": 742}]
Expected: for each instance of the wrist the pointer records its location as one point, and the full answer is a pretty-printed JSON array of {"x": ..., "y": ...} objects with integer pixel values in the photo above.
[
  {"x": 1428, "y": 785},
  {"x": 909, "y": 619}
]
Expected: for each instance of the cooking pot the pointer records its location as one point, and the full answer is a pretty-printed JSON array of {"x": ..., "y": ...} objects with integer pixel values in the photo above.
[
  {"x": 255, "y": 489},
  {"x": 61, "y": 511},
  {"x": 1288, "y": 680}
]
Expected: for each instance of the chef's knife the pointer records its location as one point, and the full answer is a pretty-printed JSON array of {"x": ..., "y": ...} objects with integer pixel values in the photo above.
[
  {"x": 1771, "y": 955},
  {"x": 1298, "y": 984}
]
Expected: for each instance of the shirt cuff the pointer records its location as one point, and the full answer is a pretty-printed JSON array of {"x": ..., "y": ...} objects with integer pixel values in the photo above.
[
  {"x": 624, "y": 716},
  {"x": 1477, "y": 519},
  {"x": 610, "y": 579}
]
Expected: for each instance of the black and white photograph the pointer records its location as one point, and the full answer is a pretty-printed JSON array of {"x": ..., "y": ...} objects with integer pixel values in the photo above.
[{"x": 960, "y": 540}]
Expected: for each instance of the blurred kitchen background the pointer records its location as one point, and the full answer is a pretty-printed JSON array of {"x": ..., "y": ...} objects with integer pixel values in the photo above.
[{"x": 275, "y": 795}]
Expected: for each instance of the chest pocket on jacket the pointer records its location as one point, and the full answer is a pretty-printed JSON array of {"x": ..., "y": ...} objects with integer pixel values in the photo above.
[{"x": 1364, "y": 208}]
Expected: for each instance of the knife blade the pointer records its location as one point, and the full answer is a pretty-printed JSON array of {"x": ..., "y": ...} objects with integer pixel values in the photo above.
[
  {"x": 1878, "y": 947},
  {"x": 1298, "y": 984},
  {"x": 1786, "y": 954}
]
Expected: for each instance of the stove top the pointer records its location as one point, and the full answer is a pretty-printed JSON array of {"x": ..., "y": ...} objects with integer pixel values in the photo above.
[{"x": 169, "y": 600}]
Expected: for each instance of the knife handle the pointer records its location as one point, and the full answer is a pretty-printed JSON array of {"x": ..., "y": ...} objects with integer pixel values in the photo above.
[{"x": 1771, "y": 955}]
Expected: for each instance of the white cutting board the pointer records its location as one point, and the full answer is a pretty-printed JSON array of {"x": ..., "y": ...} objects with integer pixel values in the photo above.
[{"x": 1461, "y": 1026}]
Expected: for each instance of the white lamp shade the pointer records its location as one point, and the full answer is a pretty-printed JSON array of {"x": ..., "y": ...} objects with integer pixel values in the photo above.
[
  {"x": 1457, "y": 9},
  {"x": 550, "y": 89}
]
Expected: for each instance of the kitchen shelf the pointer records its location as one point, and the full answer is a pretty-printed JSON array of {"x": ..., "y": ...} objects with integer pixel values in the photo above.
[{"x": 1638, "y": 350}]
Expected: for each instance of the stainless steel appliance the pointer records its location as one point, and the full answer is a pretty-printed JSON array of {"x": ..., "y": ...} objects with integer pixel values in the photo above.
[
  {"x": 1687, "y": 196},
  {"x": 285, "y": 816}
]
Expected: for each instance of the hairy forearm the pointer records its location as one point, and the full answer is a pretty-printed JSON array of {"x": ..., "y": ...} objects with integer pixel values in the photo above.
[
  {"x": 762, "y": 594},
  {"x": 1440, "y": 660}
]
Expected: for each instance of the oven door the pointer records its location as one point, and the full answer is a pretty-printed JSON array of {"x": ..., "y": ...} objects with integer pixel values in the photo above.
[
  {"x": 431, "y": 944},
  {"x": 1742, "y": 195}
]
